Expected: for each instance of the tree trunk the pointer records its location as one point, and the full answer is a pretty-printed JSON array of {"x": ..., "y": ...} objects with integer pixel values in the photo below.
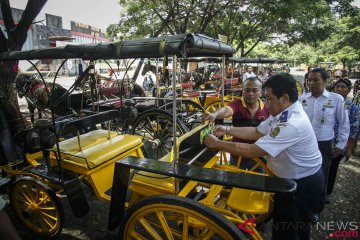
[{"x": 8, "y": 96}]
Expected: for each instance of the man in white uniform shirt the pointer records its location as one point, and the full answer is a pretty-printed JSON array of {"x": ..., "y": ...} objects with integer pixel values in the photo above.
[
  {"x": 287, "y": 138},
  {"x": 324, "y": 109}
]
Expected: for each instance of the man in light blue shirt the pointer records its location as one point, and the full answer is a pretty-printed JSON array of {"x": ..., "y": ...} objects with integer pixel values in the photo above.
[{"x": 324, "y": 109}]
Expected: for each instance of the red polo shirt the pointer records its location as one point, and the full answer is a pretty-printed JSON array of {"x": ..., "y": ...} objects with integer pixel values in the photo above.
[{"x": 242, "y": 117}]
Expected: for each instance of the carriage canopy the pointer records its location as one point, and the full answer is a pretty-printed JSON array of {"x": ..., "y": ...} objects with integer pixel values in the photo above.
[{"x": 183, "y": 45}]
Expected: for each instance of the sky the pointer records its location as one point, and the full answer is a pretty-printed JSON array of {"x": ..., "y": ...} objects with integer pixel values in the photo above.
[{"x": 97, "y": 13}]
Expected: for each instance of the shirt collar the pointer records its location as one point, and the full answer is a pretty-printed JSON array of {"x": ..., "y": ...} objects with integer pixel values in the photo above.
[
  {"x": 261, "y": 104},
  {"x": 287, "y": 112},
  {"x": 325, "y": 93}
]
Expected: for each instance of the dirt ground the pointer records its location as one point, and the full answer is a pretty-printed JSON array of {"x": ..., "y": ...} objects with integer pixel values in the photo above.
[{"x": 344, "y": 209}]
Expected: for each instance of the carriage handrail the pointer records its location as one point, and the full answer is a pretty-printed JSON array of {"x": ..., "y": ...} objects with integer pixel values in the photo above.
[
  {"x": 179, "y": 45},
  {"x": 88, "y": 121},
  {"x": 187, "y": 172}
]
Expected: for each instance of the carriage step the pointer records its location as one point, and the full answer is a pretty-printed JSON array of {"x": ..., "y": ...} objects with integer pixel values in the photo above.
[{"x": 76, "y": 197}]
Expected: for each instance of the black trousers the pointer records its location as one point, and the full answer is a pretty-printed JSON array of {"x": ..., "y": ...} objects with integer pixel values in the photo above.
[
  {"x": 334, "y": 165},
  {"x": 291, "y": 214},
  {"x": 325, "y": 148}
]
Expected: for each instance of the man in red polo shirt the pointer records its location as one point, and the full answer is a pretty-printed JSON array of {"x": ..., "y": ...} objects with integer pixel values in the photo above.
[{"x": 247, "y": 111}]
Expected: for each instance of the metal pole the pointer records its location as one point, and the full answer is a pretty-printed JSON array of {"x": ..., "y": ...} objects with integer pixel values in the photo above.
[
  {"x": 222, "y": 81},
  {"x": 157, "y": 82},
  {"x": 222, "y": 94},
  {"x": 174, "y": 60}
]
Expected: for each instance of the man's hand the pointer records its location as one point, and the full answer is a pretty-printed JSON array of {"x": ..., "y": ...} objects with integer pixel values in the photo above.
[
  {"x": 211, "y": 141},
  {"x": 336, "y": 152},
  {"x": 219, "y": 130},
  {"x": 208, "y": 117},
  {"x": 348, "y": 153}
]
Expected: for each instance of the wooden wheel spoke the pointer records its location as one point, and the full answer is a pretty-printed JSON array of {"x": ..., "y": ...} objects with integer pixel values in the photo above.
[
  {"x": 185, "y": 227},
  {"x": 164, "y": 225},
  {"x": 254, "y": 167},
  {"x": 27, "y": 193},
  {"x": 147, "y": 130},
  {"x": 46, "y": 215},
  {"x": 209, "y": 234},
  {"x": 47, "y": 208},
  {"x": 149, "y": 228},
  {"x": 137, "y": 236},
  {"x": 43, "y": 200},
  {"x": 22, "y": 200},
  {"x": 49, "y": 222}
]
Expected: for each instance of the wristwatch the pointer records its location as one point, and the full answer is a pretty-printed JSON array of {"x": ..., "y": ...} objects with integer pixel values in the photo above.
[{"x": 227, "y": 129}]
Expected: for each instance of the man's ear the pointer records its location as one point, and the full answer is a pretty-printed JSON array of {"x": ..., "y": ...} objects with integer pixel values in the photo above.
[{"x": 285, "y": 98}]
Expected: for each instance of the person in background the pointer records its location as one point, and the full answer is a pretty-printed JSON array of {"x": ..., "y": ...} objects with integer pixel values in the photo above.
[
  {"x": 262, "y": 76},
  {"x": 306, "y": 79},
  {"x": 272, "y": 72},
  {"x": 248, "y": 73},
  {"x": 343, "y": 87},
  {"x": 248, "y": 111},
  {"x": 283, "y": 138},
  {"x": 324, "y": 109},
  {"x": 7, "y": 229}
]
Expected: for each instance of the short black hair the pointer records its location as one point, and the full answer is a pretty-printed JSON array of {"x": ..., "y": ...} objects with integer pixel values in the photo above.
[
  {"x": 281, "y": 84},
  {"x": 322, "y": 72},
  {"x": 254, "y": 79}
]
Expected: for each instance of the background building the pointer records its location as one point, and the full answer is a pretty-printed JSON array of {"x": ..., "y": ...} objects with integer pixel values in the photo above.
[{"x": 50, "y": 33}]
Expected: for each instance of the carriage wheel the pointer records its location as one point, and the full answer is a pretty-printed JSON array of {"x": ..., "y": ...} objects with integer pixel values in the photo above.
[
  {"x": 212, "y": 107},
  {"x": 187, "y": 111},
  {"x": 299, "y": 87},
  {"x": 156, "y": 126},
  {"x": 37, "y": 207},
  {"x": 173, "y": 217}
]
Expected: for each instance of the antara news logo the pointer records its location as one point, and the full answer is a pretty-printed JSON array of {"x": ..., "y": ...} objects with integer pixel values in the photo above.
[{"x": 340, "y": 229}]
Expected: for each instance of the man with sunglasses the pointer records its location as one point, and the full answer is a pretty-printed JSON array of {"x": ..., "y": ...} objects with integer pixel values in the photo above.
[{"x": 248, "y": 111}]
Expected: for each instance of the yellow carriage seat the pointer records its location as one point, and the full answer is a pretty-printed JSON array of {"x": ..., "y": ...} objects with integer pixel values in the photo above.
[
  {"x": 249, "y": 201},
  {"x": 146, "y": 184},
  {"x": 96, "y": 147}
]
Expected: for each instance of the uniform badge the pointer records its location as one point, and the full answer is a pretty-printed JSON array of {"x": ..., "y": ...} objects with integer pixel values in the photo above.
[
  {"x": 304, "y": 102},
  {"x": 275, "y": 132},
  {"x": 283, "y": 117}
]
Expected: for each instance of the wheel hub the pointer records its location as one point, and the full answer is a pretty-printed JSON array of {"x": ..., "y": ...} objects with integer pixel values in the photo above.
[
  {"x": 30, "y": 211},
  {"x": 155, "y": 143}
]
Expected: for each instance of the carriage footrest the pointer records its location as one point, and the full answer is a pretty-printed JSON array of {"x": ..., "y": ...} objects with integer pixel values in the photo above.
[
  {"x": 76, "y": 197},
  {"x": 249, "y": 201}
]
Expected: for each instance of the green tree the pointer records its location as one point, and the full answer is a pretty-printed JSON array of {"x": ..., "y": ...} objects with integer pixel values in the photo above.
[
  {"x": 245, "y": 23},
  {"x": 13, "y": 40}
]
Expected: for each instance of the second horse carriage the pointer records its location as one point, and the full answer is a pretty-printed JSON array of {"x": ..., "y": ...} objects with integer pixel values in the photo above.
[{"x": 188, "y": 193}]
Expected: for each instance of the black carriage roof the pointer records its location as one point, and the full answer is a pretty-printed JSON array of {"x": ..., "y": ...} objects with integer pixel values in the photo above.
[
  {"x": 258, "y": 60},
  {"x": 182, "y": 45},
  {"x": 233, "y": 59}
]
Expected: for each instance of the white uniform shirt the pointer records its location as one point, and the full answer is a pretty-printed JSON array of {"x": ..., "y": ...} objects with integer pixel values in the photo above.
[
  {"x": 322, "y": 112},
  {"x": 247, "y": 75},
  {"x": 291, "y": 144}
]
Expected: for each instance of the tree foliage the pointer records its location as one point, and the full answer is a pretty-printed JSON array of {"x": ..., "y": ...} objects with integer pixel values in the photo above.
[{"x": 246, "y": 23}]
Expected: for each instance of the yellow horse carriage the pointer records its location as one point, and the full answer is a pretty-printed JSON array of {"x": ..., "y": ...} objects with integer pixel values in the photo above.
[{"x": 187, "y": 194}]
